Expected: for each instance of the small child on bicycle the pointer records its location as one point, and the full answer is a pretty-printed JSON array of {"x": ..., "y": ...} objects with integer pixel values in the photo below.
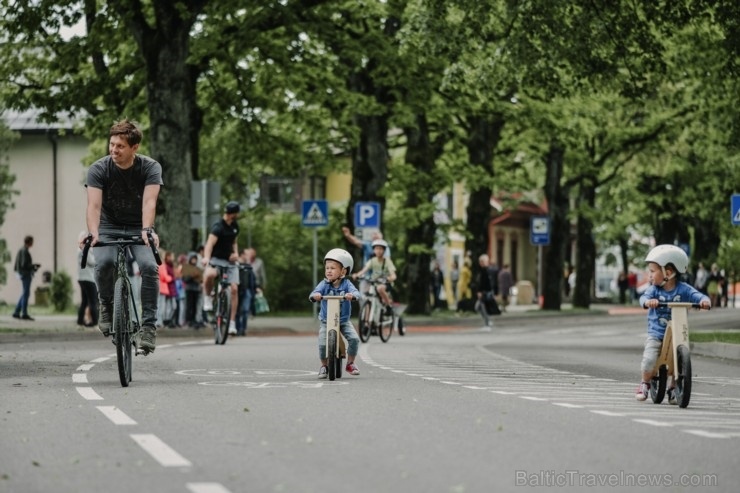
[
  {"x": 338, "y": 264},
  {"x": 380, "y": 267},
  {"x": 665, "y": 264}
]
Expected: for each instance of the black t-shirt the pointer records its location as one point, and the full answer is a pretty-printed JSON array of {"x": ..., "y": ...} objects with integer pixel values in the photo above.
[
  {"x": 123, "y": 190},
  {"x": 226, "y": 235}
]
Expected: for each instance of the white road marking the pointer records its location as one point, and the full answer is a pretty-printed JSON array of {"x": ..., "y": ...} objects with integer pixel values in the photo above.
[
  {"x": 607, "y": 413},
  {"x": 117, "y": 416},
  {"x": 101, "y": 360},
  {"x": 160, "y": 451},
  {"x": 207, "y": 488},
  {"x": 710, "y": 434},
  {"x": 568, "y": 405},
  {"x": 79, "y": 378},
  {"x": 89, "y": 394},
  {"x": 653, "y": 422},
  {"x": 85, "y": 367},
  {"x": 532, "y": 398}
]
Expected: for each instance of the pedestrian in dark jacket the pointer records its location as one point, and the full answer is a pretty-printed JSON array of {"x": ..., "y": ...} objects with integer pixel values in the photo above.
[{"x": 24, "y": 269}]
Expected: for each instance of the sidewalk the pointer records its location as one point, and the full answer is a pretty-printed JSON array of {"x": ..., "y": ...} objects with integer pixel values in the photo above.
[{"x": 48, "y": 327}]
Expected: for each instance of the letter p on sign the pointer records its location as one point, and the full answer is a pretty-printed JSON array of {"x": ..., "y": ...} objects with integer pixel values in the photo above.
[{"x": 367, "y": 215}]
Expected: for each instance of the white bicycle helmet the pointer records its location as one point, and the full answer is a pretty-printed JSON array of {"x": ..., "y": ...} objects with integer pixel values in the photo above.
[
  {"x": 341, "y": 256},
  {"x": 381, "y": 243},
  {"x": 669, "y": 254}
]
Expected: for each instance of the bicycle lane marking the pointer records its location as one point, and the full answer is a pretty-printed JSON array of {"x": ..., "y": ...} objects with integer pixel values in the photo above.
[
  {"x": 509, "y": 381},
  {"x": 162, "y": 453}
]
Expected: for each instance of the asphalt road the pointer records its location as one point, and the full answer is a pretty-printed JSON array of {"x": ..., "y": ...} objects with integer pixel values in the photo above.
[{"x": 539, "y": 403}]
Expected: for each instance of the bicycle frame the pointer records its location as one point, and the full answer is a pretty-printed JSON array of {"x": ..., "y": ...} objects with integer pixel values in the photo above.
[
  {"x": 676, "y": 334},
  {"x": 335, "y": 345},
  {"x": 376, "y": 320}
]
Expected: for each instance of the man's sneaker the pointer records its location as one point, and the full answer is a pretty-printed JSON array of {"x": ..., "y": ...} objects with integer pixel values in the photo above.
[
  {"x": 324, "y": 372},
  {"x": 672, "y": 396},
  {"x": 232, "y": 328},
  {"x": 352, "y": 369},
  {"x": 148, "y": 340},
  {"x": 105, "y": 319},
  {"x": 208, "y": 303},
  {"x": 641, "y": 393}
]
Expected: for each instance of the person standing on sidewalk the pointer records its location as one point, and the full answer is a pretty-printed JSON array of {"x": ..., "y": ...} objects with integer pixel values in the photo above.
[
  {"x": 122, "y": 192},
  {"x": 222, "y": 245},
  {"x": 485, "y": 289},
  {"x": 88, "y": 289},
  {"x": 24, "y": 269}
]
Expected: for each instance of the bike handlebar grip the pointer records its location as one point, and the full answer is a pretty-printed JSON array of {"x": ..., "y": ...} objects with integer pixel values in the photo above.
[
  {"x": 155, "y": 250},
  {"x": 85, "y": 249}
]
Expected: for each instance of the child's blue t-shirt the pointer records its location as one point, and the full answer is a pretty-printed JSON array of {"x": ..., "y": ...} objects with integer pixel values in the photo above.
[
  {"x": 658, "y": 317},
  {"x": 326, "y": 289}
]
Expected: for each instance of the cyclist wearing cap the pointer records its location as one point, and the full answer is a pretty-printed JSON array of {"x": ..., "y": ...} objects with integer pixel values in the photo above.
[
  {"x": 338, "y": 264},
  {"x": 222, "y": 244},
  {"x": 665, "y": 264},
  {"x": 380, "y": 267}
]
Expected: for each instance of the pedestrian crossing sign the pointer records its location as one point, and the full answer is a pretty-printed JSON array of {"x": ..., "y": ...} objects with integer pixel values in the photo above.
[
  {"x": 315, "y": 213},
  {"x": 735, "y": 209}
]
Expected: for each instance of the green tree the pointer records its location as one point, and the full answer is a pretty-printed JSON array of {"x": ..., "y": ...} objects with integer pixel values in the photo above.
[{"x": 6, "y": 193}]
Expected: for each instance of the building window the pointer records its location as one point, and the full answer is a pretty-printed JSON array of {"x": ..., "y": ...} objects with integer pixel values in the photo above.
[{"x": 280, "y": 194}]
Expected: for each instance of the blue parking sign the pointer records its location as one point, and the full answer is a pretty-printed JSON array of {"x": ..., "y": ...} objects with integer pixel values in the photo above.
[
  {"x": 367, "y": 215},
  {"x": 539, "y": 231},
  {"x": 735, "y": 209}
]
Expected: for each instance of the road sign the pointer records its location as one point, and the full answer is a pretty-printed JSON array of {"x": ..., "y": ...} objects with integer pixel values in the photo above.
[
  {"x": 315, "y": 213},
  {"x": 539, "y": 233},
  {"x": 735, "y": 209},
  {"x": 367, "y": 215}
]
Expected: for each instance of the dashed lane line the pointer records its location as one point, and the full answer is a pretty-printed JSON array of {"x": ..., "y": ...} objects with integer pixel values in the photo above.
[
  {"x": 117, "y": 416},
  {"x": 160, "y": 451}
]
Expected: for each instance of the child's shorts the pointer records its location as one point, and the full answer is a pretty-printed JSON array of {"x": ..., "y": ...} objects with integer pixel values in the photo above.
[{"x": 650, "y": 354}]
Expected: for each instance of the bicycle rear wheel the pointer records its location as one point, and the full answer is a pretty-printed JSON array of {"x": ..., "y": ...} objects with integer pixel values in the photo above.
[
  {"x": 658, "y": 385},
  {"x": 223, "y": 314},
  {"x": 385, "y": 324},
  {"x": 122, "y": 332},
  {"x": 331, "y": 349},
  {"x": 365, "y": 316},
  {"x": 683, "y": 382}
]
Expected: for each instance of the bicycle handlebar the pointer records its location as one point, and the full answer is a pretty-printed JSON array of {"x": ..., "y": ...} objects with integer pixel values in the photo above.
[
  {"x": 121, "y": 242},
  {"x": 669, "y": 304}
]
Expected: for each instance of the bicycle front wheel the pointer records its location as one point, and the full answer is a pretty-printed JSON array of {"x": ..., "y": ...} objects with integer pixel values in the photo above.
[
  {"x": 331, "y": 349},
  {"x": 386, "y": 321},
  {"x": 122, "y": 331},
  {"x": 223, "y": 314},
  {"x": 365, "y": 316},
  {"x": 683, "y": 382}
]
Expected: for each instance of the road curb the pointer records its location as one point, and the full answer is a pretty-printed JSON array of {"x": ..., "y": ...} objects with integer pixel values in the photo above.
[{"x": 716, "y": 350}]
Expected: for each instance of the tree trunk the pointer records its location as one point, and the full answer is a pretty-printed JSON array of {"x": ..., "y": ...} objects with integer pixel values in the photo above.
[
  {"x": 585, "y": 247},
  {"x": 558, "y": 206},
  {"x": 173, "y": 113},
  {"x": 484, "y": 134},
  {"x": 420, "y": 154}
]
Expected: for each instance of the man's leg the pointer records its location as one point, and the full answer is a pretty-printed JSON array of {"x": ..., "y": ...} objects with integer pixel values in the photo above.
[
  {"x": 105, "y": 271},
  {"x": 149, "y": 295}
]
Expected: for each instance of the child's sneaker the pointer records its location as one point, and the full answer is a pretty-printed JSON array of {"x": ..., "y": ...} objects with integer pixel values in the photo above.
[
  {"x": 352, "y": 369},
  {"x": 207, "y": 303},
  {"x": 324, "y": 372},
  {"x": 641, "y": 393},
  {"x": 232, "y": 328},
  {"x": 672, "y": 396}
]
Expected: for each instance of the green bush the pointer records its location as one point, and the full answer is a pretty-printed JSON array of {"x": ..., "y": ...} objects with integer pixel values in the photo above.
[{"x": 61, "y": 291}]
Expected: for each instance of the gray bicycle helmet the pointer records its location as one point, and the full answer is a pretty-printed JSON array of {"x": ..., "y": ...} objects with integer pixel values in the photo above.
[
  {"x": 341, "y": 256},
  {"x": 381, "y": 243},
  {"x": 669, "y": 254}
]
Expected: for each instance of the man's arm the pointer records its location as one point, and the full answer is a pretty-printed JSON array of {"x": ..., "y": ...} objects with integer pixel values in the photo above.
[
  {"x": 351, "y": 238},
  {"x": 94, "y": 205},
  {"x": 208, "y": 248},
  {"x": 148, "y": 211}
]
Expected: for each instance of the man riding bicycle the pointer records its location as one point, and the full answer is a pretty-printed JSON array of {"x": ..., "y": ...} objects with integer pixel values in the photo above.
[
  {"x": 122, "y": 191},
  {"x": 222, "y": 244}
]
